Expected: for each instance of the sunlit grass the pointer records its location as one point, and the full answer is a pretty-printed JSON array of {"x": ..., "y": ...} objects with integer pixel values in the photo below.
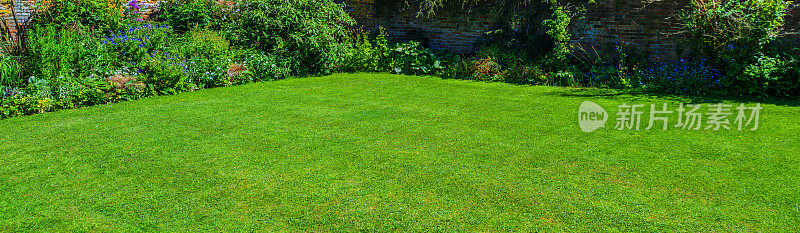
[{"x": 383, "y": 152}]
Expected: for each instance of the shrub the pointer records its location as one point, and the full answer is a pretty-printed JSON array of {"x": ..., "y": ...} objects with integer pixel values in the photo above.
[
  {"x": 732, "y": 29},
  {"x": 739, "y": 35},
  {"x": 487, "y": 69},
  {"x": 265, "y": 67},
  {"x": 363, "y": 53},
  {"x": 165, "y": 73},
  {"x": 411, "y": 58},
  {"x": 788, "y": 72},
  {"x": 103, "y": 15},
  {"x": 16, "y": 103},
  {"x": 129, "y": 47},
  {"x": 10, "y": 71},
  {"x": 497, "y": 62},
  {"x": 133, "y": 10},
  {"x": 558, "y": 30},
  {"x": 692, "y": 77},
  {"x": 183, "y": 15},
  {"x": 209, "y": 72},
  {"x": 204, "y": 44},
  {"x": 567, "y": 77},
  {"x": 59, "y": 55},
  {"x": 310, "y": 31}
]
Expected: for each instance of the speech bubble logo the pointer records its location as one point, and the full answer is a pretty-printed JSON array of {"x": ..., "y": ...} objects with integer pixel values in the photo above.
[{"x": 591, "y": 116}]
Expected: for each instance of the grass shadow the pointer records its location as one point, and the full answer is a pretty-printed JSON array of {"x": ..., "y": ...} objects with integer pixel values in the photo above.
[{"x": 645, "y": 96}]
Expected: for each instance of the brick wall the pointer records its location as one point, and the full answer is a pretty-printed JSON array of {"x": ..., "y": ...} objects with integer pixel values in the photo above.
[
  {"x": 22, "y": 9},
  {"x": 648, "y": 25},
  {"x": 449, "y": 30}
]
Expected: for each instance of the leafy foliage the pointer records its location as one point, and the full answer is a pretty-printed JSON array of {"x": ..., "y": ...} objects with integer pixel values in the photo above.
[
  {"x": 204, "y": 44},
  {"x": 58, "y": 55},
  {"x": 184, "y": 15},
  {"x": 739, "y": 36},
  {"x": 10, "y": 71},
  {"x": 310, "y": 31},
  {"x": 102, "y": 15},
  {"x": 266, "y": 67},
  {"x": 378, "y": 54}
]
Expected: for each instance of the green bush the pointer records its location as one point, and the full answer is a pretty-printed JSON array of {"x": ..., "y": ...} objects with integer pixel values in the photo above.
[
  {"x": 789, "y": 82},
  {"x": 411, "y": 58},
  {"x": 59, "y": 56},
  {"x": 739, "y": 36},
  {"x": 558, "y": 30},
  {"x": 204, "y": 44},
  {"x": 361, "y": 52},
  {"x": 102, "y": 15},
  {"x": 183, "y": 15},
  {"x": 364, "y": 53},
  {"x": 165, "y": 73},
  {"x": 310, "y": 31},
  {"x": 268, "y": 67},
  {"x": 125, "y": 49},
  {"x": 208, "y": 72},
  {"x": 10, "y": 71},
  {"x": 15, "y": 103}
]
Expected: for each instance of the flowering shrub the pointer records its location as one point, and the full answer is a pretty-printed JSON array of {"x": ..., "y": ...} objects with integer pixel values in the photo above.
[
  {"x": 739, "y": 36},
  {"x": 497, "y": 63},
  {"x": 166, "y": 73},
  {"x": 268, "y": 67},
  {"x": 210, "y": 72},
  {"x": 102, "y": 15},
  {"x": 487, "y": 69},
  {"x": 133, "y": 11},
  {"x": 693, "y": 77},
  {"x": 135, "y": 43}
]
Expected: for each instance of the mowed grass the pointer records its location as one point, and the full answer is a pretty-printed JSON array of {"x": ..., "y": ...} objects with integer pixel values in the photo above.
[{"x": 381, "y": 152}]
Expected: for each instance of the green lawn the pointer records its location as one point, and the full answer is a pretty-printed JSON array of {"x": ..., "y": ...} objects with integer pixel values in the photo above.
[{"x": 382, "y": 152}]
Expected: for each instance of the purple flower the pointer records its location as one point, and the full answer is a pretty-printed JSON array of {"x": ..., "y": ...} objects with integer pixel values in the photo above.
[{"x": 134, "y": 4}]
